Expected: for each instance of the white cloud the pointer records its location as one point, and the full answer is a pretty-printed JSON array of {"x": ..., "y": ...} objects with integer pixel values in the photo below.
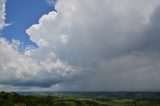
[
  {"x": 19, "y": 69},
  {"x": 64, "y": 39},
  {"x": 100, "y": 31},
  {"x": 51, "y": 2},
  {"x": 2, "y": 13},
  {"x": 42, "y": 43},
  {"x": 107, "y": 39}
]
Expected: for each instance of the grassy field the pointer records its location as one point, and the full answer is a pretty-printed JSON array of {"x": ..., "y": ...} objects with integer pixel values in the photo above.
[{"x": 90, "y": 99}]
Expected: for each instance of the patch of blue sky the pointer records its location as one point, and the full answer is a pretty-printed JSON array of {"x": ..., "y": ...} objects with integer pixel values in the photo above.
[{"x": 22, "y": 14}]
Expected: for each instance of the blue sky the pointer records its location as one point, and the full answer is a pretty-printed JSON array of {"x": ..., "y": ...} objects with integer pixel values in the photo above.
[{"x": 22, "y": 14}]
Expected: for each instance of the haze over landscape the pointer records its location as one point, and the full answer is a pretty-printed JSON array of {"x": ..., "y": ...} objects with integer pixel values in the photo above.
[{"x": 79, "y": 45}]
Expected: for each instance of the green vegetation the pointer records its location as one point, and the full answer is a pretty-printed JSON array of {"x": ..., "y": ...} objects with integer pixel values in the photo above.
[{"x": 90, "y": 99}]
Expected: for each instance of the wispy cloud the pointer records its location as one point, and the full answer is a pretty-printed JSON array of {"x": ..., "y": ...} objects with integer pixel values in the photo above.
[
  {"x": 2, "y": 13},
  {"x": 52, "y": 2}
]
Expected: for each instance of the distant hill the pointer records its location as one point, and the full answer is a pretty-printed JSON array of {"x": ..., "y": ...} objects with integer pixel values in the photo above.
[{"x": 80, "y": 99}]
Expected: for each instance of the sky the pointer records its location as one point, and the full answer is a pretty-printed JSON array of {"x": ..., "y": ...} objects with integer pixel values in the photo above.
[
  {"x": 21, "y": 15},
  {"x": 79, "y": 45}
]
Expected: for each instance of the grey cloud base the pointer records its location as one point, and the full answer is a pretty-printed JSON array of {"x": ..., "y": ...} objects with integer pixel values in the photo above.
[{"x": 90, "y": 45}]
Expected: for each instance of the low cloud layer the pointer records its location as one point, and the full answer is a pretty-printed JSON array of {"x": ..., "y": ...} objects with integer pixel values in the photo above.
[{"x": 89, "y": 45}]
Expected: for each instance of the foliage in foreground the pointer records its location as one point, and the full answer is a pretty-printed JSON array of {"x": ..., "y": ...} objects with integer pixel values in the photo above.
[{"x": 14, "y": 99}]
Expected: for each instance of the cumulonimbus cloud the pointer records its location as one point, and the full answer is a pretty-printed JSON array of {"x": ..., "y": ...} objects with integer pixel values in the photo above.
[{"x": 110, "y": 40}]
